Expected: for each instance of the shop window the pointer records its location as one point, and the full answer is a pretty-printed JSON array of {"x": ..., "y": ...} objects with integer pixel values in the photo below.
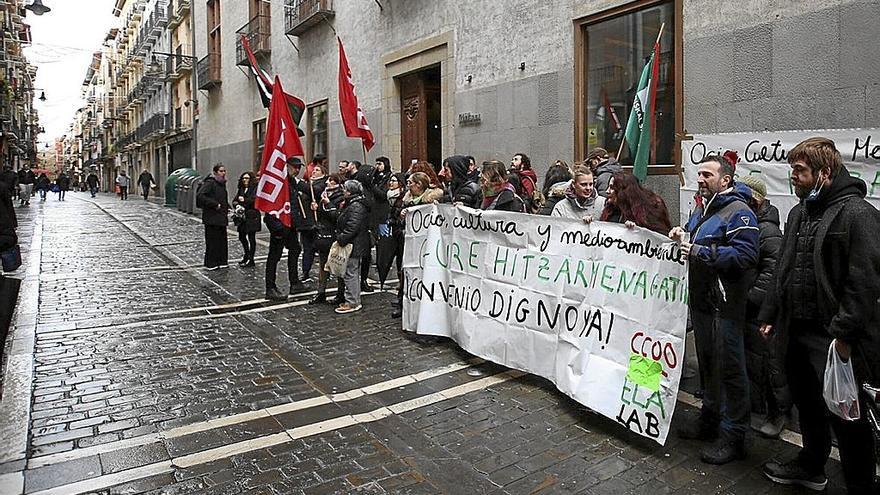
[
  {"x": 259, "y": 137},
  {"x": 616, "y": 46}
]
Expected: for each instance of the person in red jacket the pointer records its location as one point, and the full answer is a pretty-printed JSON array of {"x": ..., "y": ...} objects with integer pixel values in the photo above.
[{"x": 521, "y": 168}]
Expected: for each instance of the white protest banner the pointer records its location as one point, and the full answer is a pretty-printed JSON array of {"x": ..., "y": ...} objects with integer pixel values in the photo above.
[
  {"x": 765, "y": 154},
  {"x": 597, "y": 309}
]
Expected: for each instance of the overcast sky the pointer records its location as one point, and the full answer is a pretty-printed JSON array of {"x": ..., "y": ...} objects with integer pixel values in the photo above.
[{"x": 63, "y": 43}]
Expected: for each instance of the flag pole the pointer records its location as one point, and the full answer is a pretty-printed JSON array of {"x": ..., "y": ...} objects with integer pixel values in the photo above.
[
  {"x": 623, "y": 141},
  {"x": 364, "y": 148},
  {"x": 312, "y": 187}
]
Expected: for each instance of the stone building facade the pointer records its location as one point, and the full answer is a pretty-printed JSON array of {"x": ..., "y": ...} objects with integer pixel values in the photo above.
[{"x": 551, "y": 79}]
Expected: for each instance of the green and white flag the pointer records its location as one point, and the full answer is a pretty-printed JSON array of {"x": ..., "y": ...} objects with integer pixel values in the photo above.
[{"x": 639, "y": 126}]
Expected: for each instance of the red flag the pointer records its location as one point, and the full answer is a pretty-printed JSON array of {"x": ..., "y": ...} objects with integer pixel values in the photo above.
[
  {"x": 281, "y": 143},
  {"x": 353, "y": 118}
]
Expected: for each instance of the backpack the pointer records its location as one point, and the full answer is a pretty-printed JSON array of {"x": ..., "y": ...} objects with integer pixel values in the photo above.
[{"x": 531, "y": 203}]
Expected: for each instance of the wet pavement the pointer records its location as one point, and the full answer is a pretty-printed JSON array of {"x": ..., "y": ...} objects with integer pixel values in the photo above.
[{"x": 131, "y": 369}]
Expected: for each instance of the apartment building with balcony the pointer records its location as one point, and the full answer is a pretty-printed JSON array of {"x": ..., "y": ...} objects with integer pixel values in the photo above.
[
  {"x": 554, "y": 79},
  {"x": 19, "y": 124},
  {"x": 180, "y": 74}
]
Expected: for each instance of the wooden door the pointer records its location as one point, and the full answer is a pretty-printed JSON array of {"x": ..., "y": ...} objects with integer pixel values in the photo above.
[{"x": 413, "y": 120}]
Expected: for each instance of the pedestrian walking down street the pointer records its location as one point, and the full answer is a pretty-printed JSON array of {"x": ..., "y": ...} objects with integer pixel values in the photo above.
[
  {"x": 498, "y": 193},
  {"x": 604, "y": 167},
  {"x": 768, "y": 387},
  {"x": 43, "y": 186},
  {"x": 582, "y": 201},
  {"x": 461, "y": 190},
  {"x": 327, "y": 207},
  {"x": 63, "y": 183},
  {"x": 145, "y": 180},
  {"x": 246, "y": 217},
  {"x": 26, "y": 180},
  {"x": 630, "y": 203},
  {"x": 556, "y": 181},
  {"x": 213, "y": 200},
  {"x": 282, "y": 237},
  {"x": 93, "y": 182},
  {"x": 824, "y": 294},
  {"x": 722, "y": 252},
  {"x": 123, "y": 181},
  {"x": 352, "y": 228}
]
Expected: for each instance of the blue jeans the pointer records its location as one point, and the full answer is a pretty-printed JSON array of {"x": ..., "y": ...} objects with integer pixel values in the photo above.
[
  {"x": 721, "y": 354},
  {"x": 93, "y": 190}
]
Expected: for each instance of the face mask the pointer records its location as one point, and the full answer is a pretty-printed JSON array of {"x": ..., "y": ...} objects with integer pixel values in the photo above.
[{"x": 814, "y": 193}]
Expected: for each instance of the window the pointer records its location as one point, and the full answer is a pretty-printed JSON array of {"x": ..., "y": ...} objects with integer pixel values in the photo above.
[
  {"x": 316, "y": 129},
  {"x": 615, "y": 47},
  {"x": 214, "y": 28},
  {"x": 259, "y": 138}
]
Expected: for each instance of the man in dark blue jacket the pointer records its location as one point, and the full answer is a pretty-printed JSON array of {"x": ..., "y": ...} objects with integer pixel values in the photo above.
[{"x": 722, "y": 254}]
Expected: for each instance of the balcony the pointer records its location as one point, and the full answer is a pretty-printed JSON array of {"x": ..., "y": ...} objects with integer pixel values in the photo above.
[
  {"x": 176, "y": 13},
  {"x": 302, "y": 15},
  {"x": 208, "y": 71},
  {"x": 259, "y": 36}
]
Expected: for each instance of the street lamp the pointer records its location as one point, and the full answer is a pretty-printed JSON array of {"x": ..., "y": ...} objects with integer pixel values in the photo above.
[{"x": 38, "y": 8}]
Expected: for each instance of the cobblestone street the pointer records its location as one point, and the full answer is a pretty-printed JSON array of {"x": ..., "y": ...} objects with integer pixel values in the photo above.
[{"x": 132, "y": 369}]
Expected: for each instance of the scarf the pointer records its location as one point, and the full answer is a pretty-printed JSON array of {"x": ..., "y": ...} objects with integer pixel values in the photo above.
[
  {"x": 393, "y": 194},
  {"x": 219, "y": 178}
]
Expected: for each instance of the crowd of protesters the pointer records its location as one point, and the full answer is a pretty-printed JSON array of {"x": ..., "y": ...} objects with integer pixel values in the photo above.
[{"x": 764, "y": 306}]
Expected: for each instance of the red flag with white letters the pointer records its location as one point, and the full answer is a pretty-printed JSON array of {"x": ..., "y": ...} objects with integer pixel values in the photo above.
[
  {"x": 281, "y": 143},
  {"x": 353, "y": 118}
]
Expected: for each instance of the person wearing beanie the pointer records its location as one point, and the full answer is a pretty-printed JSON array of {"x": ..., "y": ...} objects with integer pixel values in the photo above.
[{"x": 768, "y": 387}]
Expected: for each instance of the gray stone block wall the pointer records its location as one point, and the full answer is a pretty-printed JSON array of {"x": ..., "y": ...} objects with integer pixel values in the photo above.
[{"x": 785, "y": 66}]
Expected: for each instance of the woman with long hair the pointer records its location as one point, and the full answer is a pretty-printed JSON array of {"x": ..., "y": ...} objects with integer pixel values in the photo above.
[
  {"x": 631, "y": 203},
  {"x": 246, "y": 217}
]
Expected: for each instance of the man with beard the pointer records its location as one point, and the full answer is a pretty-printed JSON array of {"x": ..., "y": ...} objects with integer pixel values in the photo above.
[
  {"x": 827, "y": 283},
  {"x": 722, "y": 254}
]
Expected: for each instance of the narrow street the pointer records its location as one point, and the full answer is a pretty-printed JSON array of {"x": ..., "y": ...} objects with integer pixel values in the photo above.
[{"x": 132, "y": 369}]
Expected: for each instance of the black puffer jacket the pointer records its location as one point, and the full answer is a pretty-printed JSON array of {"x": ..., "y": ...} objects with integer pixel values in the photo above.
[
  {"x": 352, "y": 225},
  {"x": 769, "y": 243},
  {"x": 301, "y": 204},
  {"x": 364, "y": 175},
  {"x": 213, "y": 201},
  {"x": 8, "y": 222},
  {"x": 846, "y": 261},
  {"x": 379, "y": 189},
  {"x": 462, "y": 189}
]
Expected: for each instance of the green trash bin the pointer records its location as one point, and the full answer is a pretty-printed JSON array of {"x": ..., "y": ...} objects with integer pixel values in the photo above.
[{"x": 171, "y": 184}]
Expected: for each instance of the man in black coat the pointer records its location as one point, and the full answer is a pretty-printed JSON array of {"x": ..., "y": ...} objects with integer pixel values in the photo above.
[
  {"x": 825, "y": 292},
  {"x": 10, "y": 178},
  {"x": 145, "y": 180},
  {"x": 26, "y": 180},
  {"x": 93, "y": 183},
  {"x": 462, "y": 189},
  {"x": 351, "y": 228},
  {"x": 213, "y": 201},
  {"x": 282, "y": 237}
]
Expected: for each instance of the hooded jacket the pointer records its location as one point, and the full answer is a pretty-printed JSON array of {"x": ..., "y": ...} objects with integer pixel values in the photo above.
[
  {"x": 554, "y": 195},
  {"x": 353, "y": 224},
  {"x": 462, "y": 189},
  {"x": 846, "y": 264},
  {"x": 603, "y": 174},
  {"x": 570, "y": 207},
  {"x": 769, "y": 243},
  {"x": 725, "y": 252}
]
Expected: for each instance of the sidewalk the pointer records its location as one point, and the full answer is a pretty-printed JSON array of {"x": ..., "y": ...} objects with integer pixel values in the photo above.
[{"x": 139, "y": 371}]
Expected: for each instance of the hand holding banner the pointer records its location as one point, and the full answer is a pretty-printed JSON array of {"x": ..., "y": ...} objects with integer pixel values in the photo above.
[{"x": 599, "y": 310}]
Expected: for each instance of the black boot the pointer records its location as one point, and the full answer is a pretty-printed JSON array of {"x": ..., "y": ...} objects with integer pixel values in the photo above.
[
  {"x": 724, "y": 450},
  {"x": 274, "y": 295},
  {"x": 702, "y": 429},
  {"x": 320, "y": 298}
]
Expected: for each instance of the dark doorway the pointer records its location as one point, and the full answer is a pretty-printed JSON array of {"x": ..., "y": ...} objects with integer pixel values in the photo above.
[{"x": 420, "y": 109}]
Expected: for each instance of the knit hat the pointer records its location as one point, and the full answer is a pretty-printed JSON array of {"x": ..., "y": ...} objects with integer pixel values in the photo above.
[
  {"x": 597, "y": 153},
  {"x": 758, "y": 187}
]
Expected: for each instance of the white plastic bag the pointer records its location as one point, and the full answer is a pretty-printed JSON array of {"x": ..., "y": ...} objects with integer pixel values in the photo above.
[
  {"x": 840, "y": 390},
  {"x": 337, "y": 259}
]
